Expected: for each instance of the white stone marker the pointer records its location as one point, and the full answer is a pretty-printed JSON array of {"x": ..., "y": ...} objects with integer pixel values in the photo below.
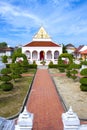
[
  {"x": 70, "y": 120},
  {"x": 25, "y": 121}
]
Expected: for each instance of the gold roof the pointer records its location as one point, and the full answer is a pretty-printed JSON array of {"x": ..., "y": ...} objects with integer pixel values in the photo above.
[{"x": 41, "y": 34}]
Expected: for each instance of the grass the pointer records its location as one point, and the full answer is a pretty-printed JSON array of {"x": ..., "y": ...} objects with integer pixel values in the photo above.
[{"x": 11, "y": 101}]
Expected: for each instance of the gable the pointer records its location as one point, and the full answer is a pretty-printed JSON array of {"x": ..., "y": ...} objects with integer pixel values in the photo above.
[{"x": 41, "y": 34}]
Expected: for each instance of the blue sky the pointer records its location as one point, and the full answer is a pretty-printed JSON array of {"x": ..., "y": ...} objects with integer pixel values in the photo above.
[{"x": 64, "y": 20}]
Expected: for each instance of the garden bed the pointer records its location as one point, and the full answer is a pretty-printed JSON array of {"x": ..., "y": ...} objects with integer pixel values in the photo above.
[{"x": 71, "y": 93}]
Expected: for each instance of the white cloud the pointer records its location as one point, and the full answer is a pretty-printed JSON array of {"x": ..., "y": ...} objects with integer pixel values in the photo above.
[{"x": 57, "y": 16}]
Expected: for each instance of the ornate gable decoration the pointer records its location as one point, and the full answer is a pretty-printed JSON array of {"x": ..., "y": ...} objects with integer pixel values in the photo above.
[{"x": 41, "y": 35}]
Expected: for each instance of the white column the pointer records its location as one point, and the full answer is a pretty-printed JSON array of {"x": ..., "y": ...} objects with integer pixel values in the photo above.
[
  {"x": 45, "y": 56},
  {"x": 53, "y": 56},
  {"x": 38, "y": 56}
]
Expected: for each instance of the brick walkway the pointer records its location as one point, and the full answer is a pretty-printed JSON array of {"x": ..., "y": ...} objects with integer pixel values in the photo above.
[{"x": 44, "y": 103}]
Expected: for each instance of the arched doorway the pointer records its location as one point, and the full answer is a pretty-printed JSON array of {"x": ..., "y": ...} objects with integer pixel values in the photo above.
[
  {"x": 49, "y": 55},
  {"x": 34, "y": 55},
  {"x": 42, "y": 55},
  {"x": 28, "y": 54},
  {"x": 56, "y": 54}
]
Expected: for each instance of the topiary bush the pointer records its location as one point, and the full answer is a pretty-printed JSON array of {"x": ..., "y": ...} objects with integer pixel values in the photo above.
[
  {"x": 68, "y": 74},
  {"x": 6, "y": 78},
  {"x": 83, "y": 62},
  {"x": 53, "y": 66},
  {"x": 73, "y": 70},
  {"x": 5, "y": 71},
  {"x": 16, "y": 71},
  {"x": 73, "y": 74},
  {"x": 84, "y": 72},
  {"x": 83, "y": 87},
  {"x": 6, "y": 87},
  {"x": 51, "y": 63},
  {"x": 63, "y": 65},
  {"x": 32, "y": 66},
  {"x": 4, "y": 59},
  {"x": 7, "y": 65},
  {"x": 61, "y": 69},
  {"x": 83, "y": 80}
]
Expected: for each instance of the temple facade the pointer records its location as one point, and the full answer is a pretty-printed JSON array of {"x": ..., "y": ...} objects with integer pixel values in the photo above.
[{"x": 42, "y": 48}]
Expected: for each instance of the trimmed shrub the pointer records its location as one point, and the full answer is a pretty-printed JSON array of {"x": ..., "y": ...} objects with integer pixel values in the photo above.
[
  {"x": 34, "y": 62},
  {"x": 74, "y": 66},
  {"x": 16, "y": 70},
  {"x": 4, "y": 59},
  {"x": 53, "y": 66},
  {"x": 61, "y": 69},
  {"x": 32, "y": 66},
  {"x": 51, "y": 63},
  {"x": 73, "y": 77},
  {"x": 6, "y": 78},
  {"x": 7, "y": 65},
  {"x": 83, "y": 80},
  {"x": 15, "y": 76},
  {"x": 84, "y": 62},
  {"x": 6, "y": 87},
  {"x": 62, "y": 65},
  {"x": 5, "y": 71},
  {"x": 83, "y": 87},
  {"x": 68, "y": 74},
  {"x": 65, "y": 55},
  {"x": 74, "y": 72},
  {"x": 84, "y": 72}
]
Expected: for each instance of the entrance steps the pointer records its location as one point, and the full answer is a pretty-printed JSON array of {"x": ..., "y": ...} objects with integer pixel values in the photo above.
[{"x": 42, "y": 66}]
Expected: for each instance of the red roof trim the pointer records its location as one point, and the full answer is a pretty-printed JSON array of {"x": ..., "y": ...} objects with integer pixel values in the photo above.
[
  {"x": 7, "y": 49},
  {"x": 84, "y": 52},
  {"x": 41, "y": 44}
]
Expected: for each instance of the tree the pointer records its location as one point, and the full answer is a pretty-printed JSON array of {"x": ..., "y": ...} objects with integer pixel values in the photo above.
[
  {"x": 6, "y": 85},
  {"x": 83, "y": 80},
  {"x": 73, "y": 70},
  {"x": 18, "y": 50},
  {"x": 63, "y": 64},
  {"x": 4, "y": 59},
  {"x": 15, "y": 71},
  {"x": 22, "y": 60},
  {"x": 18, "y": 55},
  {"x": 3, "y": 44},
  {"x": 64, "y": 49}
]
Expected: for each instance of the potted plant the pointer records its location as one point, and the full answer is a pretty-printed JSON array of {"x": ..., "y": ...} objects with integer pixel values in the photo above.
[{"x": 43, "y": 62}]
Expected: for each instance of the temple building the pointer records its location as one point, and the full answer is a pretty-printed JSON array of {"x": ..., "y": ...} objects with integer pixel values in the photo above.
[{"x": 42, "y": 48}]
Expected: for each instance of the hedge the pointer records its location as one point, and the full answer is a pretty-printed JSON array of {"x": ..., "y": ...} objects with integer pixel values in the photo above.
[
  {"x": 32, "y": 66},
  {"x": 53, "y": 65},
  {"x": 83, "y": 87},
  {"x": 83, "y": 80}
]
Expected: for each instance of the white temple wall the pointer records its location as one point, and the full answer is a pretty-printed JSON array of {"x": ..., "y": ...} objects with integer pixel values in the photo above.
[{"x": 45, "y": 50}]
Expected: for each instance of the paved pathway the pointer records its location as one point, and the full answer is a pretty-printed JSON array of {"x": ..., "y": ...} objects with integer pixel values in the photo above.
[{"x": 44, "y": 103}]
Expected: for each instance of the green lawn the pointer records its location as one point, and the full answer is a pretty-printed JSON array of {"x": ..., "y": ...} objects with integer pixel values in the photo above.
[{"x": 11, "y": 101}]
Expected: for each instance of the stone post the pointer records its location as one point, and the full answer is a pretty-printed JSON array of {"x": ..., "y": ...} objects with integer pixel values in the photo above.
[{"x": 70, "y": 120}]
